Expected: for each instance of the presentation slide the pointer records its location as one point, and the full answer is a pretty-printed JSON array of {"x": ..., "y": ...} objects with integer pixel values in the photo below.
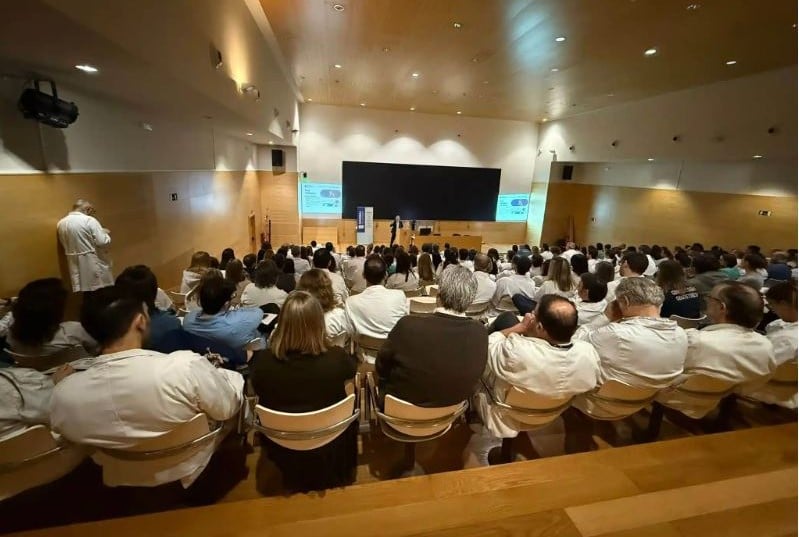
[
  {"x": 320, "y": 198},
  {"x": 512, "y": 207}
]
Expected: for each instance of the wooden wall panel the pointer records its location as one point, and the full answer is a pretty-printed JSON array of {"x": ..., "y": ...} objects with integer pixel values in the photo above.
[
  {"x": 279, "y": 203},
  {"x": 670, "y": 217},
  {"x": 210, "y": 214}
]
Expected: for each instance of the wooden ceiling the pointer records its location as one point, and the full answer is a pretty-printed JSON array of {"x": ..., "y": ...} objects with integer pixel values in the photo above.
[{"x": 501, "y": 61}]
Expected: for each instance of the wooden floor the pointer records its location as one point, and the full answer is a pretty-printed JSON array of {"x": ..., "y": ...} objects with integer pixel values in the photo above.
[{"x": 730, "y": 484}]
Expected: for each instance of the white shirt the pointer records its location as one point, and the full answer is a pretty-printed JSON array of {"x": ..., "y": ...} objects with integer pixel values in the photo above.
[
  {"x": 611, "y": 296},
  {"x": 397, "y": 281},
  {"x": 162, "y": 300},
  {"x": 486, "y": 288},
  {"x": 783, "y": 338},
  {"x": 353, "y": 273},
  {"x": 85, "y": 244},
  {"x": 136, "y": 395},
  {"x": 517, "y": 283},
  {"x": 255, "y": 297},
  {"x": 337, "y": 327},
  {"x": 549, "y": 287},
  {"x": 652, "y": 267},
  {"x": 375, "y": 311},
  {"x": 547, "y": 255},
  {"x": 301, "y": 265},
  {"x": 69, "y": 334},
  {"x": 469, "y": 264},
  {"x": 190, "y": 280},
  {"x": 567, "y": 255},
  {"x": 24, "y": 399},
  {"x": 537, "y": 366},
  {"x": 589, "y": 312},
  {"x": 339, "y": 287},
  {"x": 592, "y": 265}
]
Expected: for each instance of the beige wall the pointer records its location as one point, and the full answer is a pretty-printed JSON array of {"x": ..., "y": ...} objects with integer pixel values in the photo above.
[{"x": 668, "y": 217}]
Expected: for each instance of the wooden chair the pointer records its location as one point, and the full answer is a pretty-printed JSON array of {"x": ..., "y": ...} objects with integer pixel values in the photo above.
[
  {"x": 413, "y": 293},
  {"x": 48, "y": 362},
  {"x": 422, "y": 305},
  {"x": 187, "y": 447},
  {"x": 781, "y": 388},
  {"x": 32, "y": 458},
  {"x": 687, "y": 322},
  {"x": 614, "y": 400},
  {"x": 410, "y": 424},
  {"x": 432, "y": 290},
  {"x": 506, "y": 304},
  {"x": 367, "y": 347},
  {"x": 477, "y": 309},
  {"x": 181, "y": 300}
]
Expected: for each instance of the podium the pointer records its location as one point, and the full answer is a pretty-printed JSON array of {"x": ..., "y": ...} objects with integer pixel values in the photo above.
[{"x": 405, "y": 236}]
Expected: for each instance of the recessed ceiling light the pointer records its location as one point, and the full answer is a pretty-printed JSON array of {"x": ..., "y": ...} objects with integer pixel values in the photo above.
[
  {"x": 554, "y": 69},
  {"x": 757, "y": 156},
  {"x": 693, "y": 7},
  {"x": 611, "y": 95},
  {"x": 458, "y": 112},
  {"x": 338, "y": 7},
  {"x": 731, "y": 62},
  {"x": 544, "y": 120},
  {"x": 309, "y": 100},
  {"x": 386, "y": 49},
  {"x": 248, "y": 133},
  {"x": 456, "y": 25},
  {"x": 485, "y": 82},
  {"x": 560, "y": 39},
  {"x": 86, "y": 68},
  {"x": 270, "y": 142},
  {"x": 650, "y": 51},
  {"x": 435, "y": 92},
  {"x": 415, "y": 75},
  {"x": 337, "y": 66},
  {"x": 650, "y": 160},
  {"x": 475, "y": 59},
  {"x": 413, "y": 108},
  {"x": 363, "y": 104}
]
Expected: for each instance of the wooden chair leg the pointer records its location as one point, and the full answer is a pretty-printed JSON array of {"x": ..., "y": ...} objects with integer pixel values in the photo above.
[
  {"x": 655, "y": 421},
  {"x": 409, "y": 460},
  {"x": 507, "y": 449}
]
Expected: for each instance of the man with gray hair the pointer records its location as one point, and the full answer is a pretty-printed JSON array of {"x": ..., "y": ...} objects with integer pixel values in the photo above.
[
  {"x": 436, "y": 360},
  {"x": 635, "y": 345},
  {"x": 85, "y": 244}
]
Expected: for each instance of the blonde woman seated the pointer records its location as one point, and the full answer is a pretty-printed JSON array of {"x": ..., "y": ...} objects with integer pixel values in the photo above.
[
  {"x": 337, "y": 326},
  {"x": 200, "y": 262},
  {"x": 264, "y": 289},
  {"x": 301, "y": 372},
  {"x": 403, "y": 278},
  {"x": 559, "y": 282},
  {"x": 427, "y": 275},
  {"x": 235, "y": 273}
]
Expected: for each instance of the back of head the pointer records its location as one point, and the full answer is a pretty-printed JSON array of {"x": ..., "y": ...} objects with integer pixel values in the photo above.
[
  {"x": 463, "y": 254},
  {"x": 108, "y": 315},
  {"x": 360, "y": 251},
  {"x": 403, "y": 262},
  {"x": 706, "y": 263},
  {"x": 215, "y": 291},
  {"x": 556, "y": 251},
  {"x": 313, "y": 244},
  {"x": 755, "y": 261},
  {"x": 593, "y": 253},
  {"x": 697, "y": 247},
  {"x": 671, "y": 276},
  {"x": 227, "y": 255},
  {"x": 558, "y": 317},
  {"x": 604, "y": 271},
  {"x": 266, "y": 273},
  {"x": 730, "y": 261},
  {"x": 38, "y": 311},
  {"x": 523, "y": 264},
  {"x": 636, "y": 262},
  {"x": 685, "y": 260},
  {"x": 200, "y": 260},
  {"x": 482, "y": 263},
  {"x": 295, "y": 250},
  {"x": 639, "y": 292},
  {"x": 560, "y": 273},
  {"x": 235, "y": 271},
  {"x": 300, "y": 327},
  {"x": 374, "y": 270},
  {"x": 779, "y": 257},
  {"x": 250, "y": 260},
  {"x": 657, "y": 252},
  {"x": 138, "y": 283},
  {"x": 329, "y": 246},
  {"x": 596, "y": 287},
  {"x": 783, "y": 292},
  {"x": 536, "y": 260},
  {"x": 214, "y": 263},
  {"x": 426, "y": 267},
  {"x": 321, "y": 258},
  {"x": 579, "y": 264},
  {"x": 644, "y": 249},
  {"x": 288, "y": 266},
  {"x": 742, "y": 304},
  {"x": 457, "y": 288},
  {"x": 317, "y": 282},
  {"x": 753, "y": 249}
]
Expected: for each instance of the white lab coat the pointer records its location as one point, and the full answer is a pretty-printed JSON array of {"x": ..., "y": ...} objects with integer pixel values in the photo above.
[
  {"x": 339, "y": 286},
  {"x": 783, "y": 337},
  {"x": 85, "y": 244},
  {"x": 24, "y": 399},
  {"x": 485, "y": 288},
  {"x": 375, "y": 311}
]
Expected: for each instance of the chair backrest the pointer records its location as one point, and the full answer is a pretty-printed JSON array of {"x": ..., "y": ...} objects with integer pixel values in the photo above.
[
  {"x": 43, "y": 363},
  {"x": 506, "y": 304},
  {"x": 369, "y": 344},
  {"x": 477, "y": 308},
  {"x": 142, "y": 464},
  {"x": 177, "y": 298},
  {"x": 696, "y": 394},
  {"x": 414, "y": 292},
  {"x": 687, "y": 322},
  {"x": 532, "y": 410},
  {"x": 32, "y": 458},
  {"x": 201, "y": 345},
  {"x": 771, "y": 282},
  {"x": 786, "y": 374},
  {"x": 419, "y": 422},
  {"x": 307, "y": 430},
  {"x": 615, "y": 400},
  {"x": 432, "y": 290},
  {"x": 423, "y": 304}
]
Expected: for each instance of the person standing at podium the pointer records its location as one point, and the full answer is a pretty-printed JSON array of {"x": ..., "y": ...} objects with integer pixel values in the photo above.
[{"x": 396, "y": 225}]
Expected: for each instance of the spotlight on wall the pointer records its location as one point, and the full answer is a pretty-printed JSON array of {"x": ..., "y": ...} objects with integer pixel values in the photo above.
[
  {"x": 252, "y": 91},
  {"x": 773, "y": 130},
  {"x": 571, "y": 148},
  {"x": 614, "y": 143}
]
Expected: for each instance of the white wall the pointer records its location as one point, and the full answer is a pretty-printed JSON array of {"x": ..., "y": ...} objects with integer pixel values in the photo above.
[
  {"x": 330, "y": 135},
  {"x": 289, "y": 158}
]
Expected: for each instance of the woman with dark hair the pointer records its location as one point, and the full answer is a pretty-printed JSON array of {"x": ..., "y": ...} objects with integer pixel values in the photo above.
[
  {"x": 537, "y": 268},
  {"x": 337, "y": 326},
  {"x": 436, "y": 257},
  {"x": 427, "y": 275},
  {"x": 493, "y": 255},
  {"x": 604, "y": 271},
  {"x": 450, "y": 258},
  {"x": 302, "y": 372},
  {"x": 752, "y": 264},
  {"x": 236, "y": 275},
  {"x": 388, "y": 259},
  {"x": 266, "y": 245},
  {"x": 403, "y": 278},
  {"x": 579, "y": 266},
  {"x": 286, "y": 279},
  {"x": 249, "y": 262},
  {"x": 593, "y": 258},
  {"x": 263, "y": 290},
  {"x": 227, "y": 255},
  {"x": 680, "y": 298},
  {"x": 200, "y": 262},
  {"x": 38, "y": 327}
]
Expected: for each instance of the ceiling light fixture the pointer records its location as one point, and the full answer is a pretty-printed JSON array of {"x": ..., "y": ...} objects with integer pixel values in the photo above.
[
  {"x": 309, "y": 100},
  {"x": 338, "y": 7},
  {"x": 544, "y": 120},
  {"x": 457, "y": 25},
  {"x": 413, "y": 108},
  {"x": 731, "y": 62},
  {"x": 270, "y": 142},
  {"x": 560, "y": 39},
  {"x": 248, "y": 133},
  {"x": 611, "y": 95},
  {"x": 554, "y": 69},
  {"x": 693, "y": 7},
  {"x": 415, "y": 75},
  {"x": 458, "y": 112},
  {"x": 386, "y": 49},
  {"x": 757, "y": 156},
  {"x": 650, "y": 51},
  {"x": 337, "y": 66},
  {"x": 485, "y": 82},
  {"x": 650, "y": 160},
  {"x": 475, "y": 59},
  {"x": 363, "y": 104},
  {"x": 86, "y": 68}
]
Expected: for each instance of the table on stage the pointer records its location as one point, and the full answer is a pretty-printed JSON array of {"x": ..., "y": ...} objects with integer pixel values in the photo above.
[{"x": 458, "y": 241}]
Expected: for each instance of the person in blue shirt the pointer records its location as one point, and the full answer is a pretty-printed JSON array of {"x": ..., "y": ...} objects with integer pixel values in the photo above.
[
  {"x": 215, "y": 321},
  {"x": 138, "y": 282},
  {"x": 778, "y": 268}
]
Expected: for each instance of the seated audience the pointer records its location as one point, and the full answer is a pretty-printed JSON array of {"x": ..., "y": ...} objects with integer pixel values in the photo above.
[
  {"x": 353, "y": 270},
  {"x": 301, "y": 372},
  {"x": 590, "y": 302},
  {"x": 139, "y": 283},
  {"x": 235, "y": 274},
  {"x": 486, "y": 288},
  {"x": 130, "y": 395},
  {"x": 604, "y": 271},
  {"x": 680, "y": 298},
  {"x": 450, "y": 259},
  {"x": 37, "y": 326},
  {"x": 286, "y": 279},
  {"x": 753, "y": 265},
  {"x": 200, "y": 262},
  {"x": 570, "y": 251},
  {"x": 536, "y": 269},
  {"x": 730, "y": 266},
  {"x": 336, "y": 257},
  {"x": 559, "y": 281},
  {"x": 729, "y": 349},
  {"x": 266, "y": 245},
  {"x": 463, "y": 259},
  {"x": 778, "y": 268},
  {"x": 537, "y": 355},
  {"x": 579, "y": 265},
  {"x": 782, "y": 334},
  {"x": 651, "y": 267},
  {"x": 594, "y": 257},
  {"x": 632, "y": 265},
  {"x": 414, "y": 366},
  {"x": 403, "y": 277},
  {"x": 215, "y": 321},
  {"x": 708, "y": 275},
  {"x": 376, "y": 310},
  {"x": 24, "y": 399},
  {"x": 322, "y": 260},
  {"x": 227, "y": 255},
  {"x": 301, "y": 264},
  {"x": 317, "y": 282},
  {"x": 636, "y": 346},
  {"x": 426, "y": 271},
  {"x": 264, "y": 289},
  {"x": 249, "y": 262},
  {"x": 519, "y": 283}
]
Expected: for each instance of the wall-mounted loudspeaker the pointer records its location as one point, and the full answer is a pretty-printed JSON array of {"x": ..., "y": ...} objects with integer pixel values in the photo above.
[
  {"x": 566, "y": 175},
  {"x": 277, "y": 158}
]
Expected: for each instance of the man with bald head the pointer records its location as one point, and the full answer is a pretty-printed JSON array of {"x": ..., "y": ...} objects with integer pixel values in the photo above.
[
  {"x": 85, "y": 244},
  {"x": 537, "y": 355},
  {"x": 485, "y": 286}
]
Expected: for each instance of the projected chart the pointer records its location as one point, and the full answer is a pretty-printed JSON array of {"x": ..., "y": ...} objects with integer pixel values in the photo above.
[
  {"x": 321, "y": 198},
  {"x": 512, "y": 207}
]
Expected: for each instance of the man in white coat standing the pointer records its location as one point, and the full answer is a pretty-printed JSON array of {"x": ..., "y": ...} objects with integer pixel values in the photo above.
[{"x": 85, "y": 244}]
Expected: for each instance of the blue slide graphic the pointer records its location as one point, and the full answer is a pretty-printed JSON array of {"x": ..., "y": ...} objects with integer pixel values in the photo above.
[
  {"x": 512, "y": 207},
  {"x": 321, "y": 198}
]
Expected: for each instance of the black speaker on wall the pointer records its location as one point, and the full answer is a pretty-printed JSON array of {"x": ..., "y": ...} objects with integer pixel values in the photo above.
[
  {"x": 567, "y": 172},
  {"x": 277, "y": 158}
]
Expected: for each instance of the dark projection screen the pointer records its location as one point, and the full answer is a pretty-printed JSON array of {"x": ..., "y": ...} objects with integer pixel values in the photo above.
[{"x": 414, "y": 191}]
